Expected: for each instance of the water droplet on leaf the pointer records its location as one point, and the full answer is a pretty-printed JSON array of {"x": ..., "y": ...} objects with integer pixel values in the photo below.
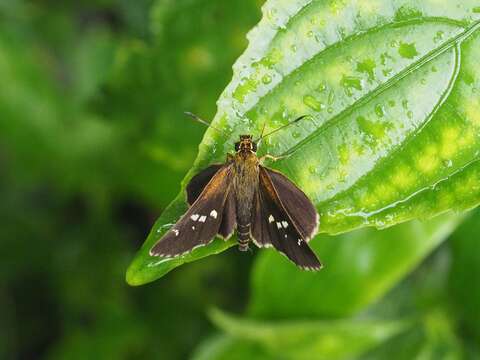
[
  {"x": 407, "y": 51},
  {"x": 313, "y": 103},
  {"x": 266, "y": 79},
  {"x": 379, "y": 110}
]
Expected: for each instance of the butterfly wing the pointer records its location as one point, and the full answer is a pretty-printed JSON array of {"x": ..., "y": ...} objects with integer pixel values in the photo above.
[
  {"x": 199, "y": 181},
  {"x": 229, "y": 217},
  {"x": 202, "y": 221},
  {"x": 299, "y": 206},
  {"x": 274, "y": 225}
]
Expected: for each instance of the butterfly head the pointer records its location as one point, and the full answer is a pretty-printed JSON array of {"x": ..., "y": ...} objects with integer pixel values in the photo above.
[{"x": 246, "y": 144}]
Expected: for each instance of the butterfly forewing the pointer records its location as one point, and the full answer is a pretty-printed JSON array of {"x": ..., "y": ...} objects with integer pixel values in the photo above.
[
  {"x": 199, "y": 181},
  {"x": 202, "y": 221},
  {"x": 273, "y": 224},
  {"x": 229, "y": 217}
]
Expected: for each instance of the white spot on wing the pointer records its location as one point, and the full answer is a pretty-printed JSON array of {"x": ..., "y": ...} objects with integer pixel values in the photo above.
[
  {"x": 279, "y": 225},
  {"x": 299, "y": 242},
  {"x": 202, "y": 218},
  {"x": 285, "y": 236},
  {"x": 194, "y": 217},
  {"x": 176, "y": 232},
  {"x": 213, "y": 214},
  {"x": 271, "y": 219},
  {"x": 285, "y": 224},
  {"x": 193, "y": 227}
]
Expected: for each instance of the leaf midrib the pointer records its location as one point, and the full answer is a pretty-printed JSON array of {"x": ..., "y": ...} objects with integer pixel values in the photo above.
[{"x": 388, "y": 84}]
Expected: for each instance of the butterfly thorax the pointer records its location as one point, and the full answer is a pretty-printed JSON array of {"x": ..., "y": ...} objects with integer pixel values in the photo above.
[{"x": 245, "y": 182}]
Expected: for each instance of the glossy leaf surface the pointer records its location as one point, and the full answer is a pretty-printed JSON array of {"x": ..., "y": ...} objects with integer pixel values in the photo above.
[{"x": 393, "y": 89}]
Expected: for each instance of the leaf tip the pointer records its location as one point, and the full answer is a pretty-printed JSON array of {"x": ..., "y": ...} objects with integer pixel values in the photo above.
[{"x": 133, "y": 277}]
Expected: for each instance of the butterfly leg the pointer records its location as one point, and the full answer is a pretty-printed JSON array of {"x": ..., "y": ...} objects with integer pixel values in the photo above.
[
  {"x": 285, "y": 155},
  {"x": 274, "y": 158}
]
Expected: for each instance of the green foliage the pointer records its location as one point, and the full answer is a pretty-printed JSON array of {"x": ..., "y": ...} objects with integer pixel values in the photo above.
[
  {"x": 392, "y": 135},
  {"x": 415, "y": 318},
  {"x": 336, "y": 339},
  {"x": 360, "y": 267},
  {"x": 93, "y": 146},
  {"x": 465, "y": 273}
]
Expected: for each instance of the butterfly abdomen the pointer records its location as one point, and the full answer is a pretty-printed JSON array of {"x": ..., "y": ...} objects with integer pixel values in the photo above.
[
  {"x": 245, "y": 184},
  {"x": 243, "y": 236}
]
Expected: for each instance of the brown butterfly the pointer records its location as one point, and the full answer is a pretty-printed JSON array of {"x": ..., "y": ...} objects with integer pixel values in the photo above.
[{"x": 263, "y": 205}]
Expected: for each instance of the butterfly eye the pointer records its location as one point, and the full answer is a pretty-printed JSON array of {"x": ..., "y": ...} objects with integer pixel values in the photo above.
[
  {"x": 237, "y": 146},
  {"x": 254, "y": 146}
]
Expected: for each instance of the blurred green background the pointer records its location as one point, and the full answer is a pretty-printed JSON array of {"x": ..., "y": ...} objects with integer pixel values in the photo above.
[{"x": 93, "y": 146}]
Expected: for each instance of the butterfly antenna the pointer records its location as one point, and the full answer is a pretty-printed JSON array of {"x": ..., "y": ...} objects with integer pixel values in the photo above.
[
  {"x": 201, "y": 121},
  {"x": 261, "y": 134},
  {"x": 282, "y": 127}
]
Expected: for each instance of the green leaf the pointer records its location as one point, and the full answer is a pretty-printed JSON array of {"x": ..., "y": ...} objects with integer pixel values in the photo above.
[
  {"x": 360, "y": 267},
  {"x": 336, "y": 339},
  {"x": 432, "y": 338},
  {"x": 225, "y": 347},
  {"x": 465, "y": 272},
  {"x": 392, "y": 88}
]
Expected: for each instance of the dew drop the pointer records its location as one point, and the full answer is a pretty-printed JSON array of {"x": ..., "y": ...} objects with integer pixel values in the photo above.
[
  {"x": 271, "y": 14},
  {"x": 379, "y": 110},
  {"x": 331, "y": 98},
  {"x": 391, "y": 103},
  {"x": 343, "y": 154},
  {"x": 447, "y": 163},
  {"x": 310, "y": 33},
  {"x": 407, "y": 51},
  {"x": 368, "y": 67},
  {"x": 387, "y": 72},
  {"x": 330, "y": 110},
  {"x": 439, "y": 36},
  {"x": 313, "y": 103},
  {"x": 468, "y": 79},
  {"x": 322, "y": 87},
  {"x": 410, "y": 114},
  {"x": 293, "y": 48},
  {"x": 266, "y": 79},
  {"x": 350, "y": 84},
  {"x": 296, "y": 134}
]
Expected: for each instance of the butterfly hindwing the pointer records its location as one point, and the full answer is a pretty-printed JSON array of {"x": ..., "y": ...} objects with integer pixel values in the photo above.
[
  {"x": 202, "y": 221},
  {"x": 273, "y": 225},
  {"x": 299, "y": 206}
]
